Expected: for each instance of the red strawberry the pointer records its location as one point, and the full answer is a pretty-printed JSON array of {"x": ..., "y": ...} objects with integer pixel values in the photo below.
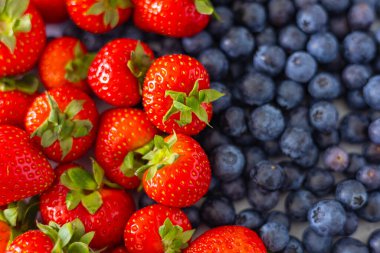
[
  {"x": 176, "y": 18},
  {"x": 16, "y": 95},
  {"x": 22, "y": 37},
  {"x": 178, "y": 171},
  {"x": 177, "y": 95},
  {"x": 24, "y": 171},
  {"x": 5, "y": 235},
  {"x": 99, "y": 16},
  {"x": 52, "y": 11},
  {"x": 118, "y": 69},
  {"x": 65, "y": 62},
  {"x": 64, "y": 122},
  {"x": 231, "y": 239},
  {"x": 119, "y": 250},
  {"x": 121, "y": 133},
  {"x": 53, "y": 238},
  {"x": 81, "y": 195},
  {"x": 157, "y": 229}
]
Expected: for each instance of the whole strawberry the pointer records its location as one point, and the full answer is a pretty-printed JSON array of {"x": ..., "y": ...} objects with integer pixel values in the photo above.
[
  {"x": 177, "y": 95},
  {"x": 22, "y": 37},
  {"x": 79, "y": 194},
  {"x": 174, "y": 18},
  {"x": 99, "y": 16},
  {"x": 118, "y": 70},
  {"x": 63, "y": 121},
  {"x": 177, "y": 172},
  {"x": 24, "y": 171},
  {"x": 124, "y": 135},
  {"x": 231, "y": 239},
  {"x": 157, "y": 229},
  {"x": 65, "y": 62},
  {"x": 119, "y": 250},
  {"x": 52, "y": 11},
  {"x": 16, "y": 95},
  {"x": 69, "y": 238}
]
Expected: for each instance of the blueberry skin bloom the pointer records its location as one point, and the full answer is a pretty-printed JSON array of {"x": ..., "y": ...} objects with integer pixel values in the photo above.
[
  {"x": 374, "y": 131},
  {"x": 355, "y": 76},
  {"x": 227, "y": 162},
  {"x": 359, "y": 47},
  {"x": 324, "y": 86},
  {"x": 323, "y": 46},
  {"x": 352, "y": 194},
  {"x": 371, "y": 92},
  {"x": 315, "y": 243},
  {"x": 324, "y": 116},
  {"x": 374, "y": 241},
  {"x": 269, "y": 175},
  {"x": 301, "y": 67},
  {"x": 238, "y": 42},
  {"x": 275, "y": 236},
  {"x": 289, "y": 94},
  {"x": 349, "y": 245},
  {"x": 269, "y": 59},
  {"x": 312, "y": 18},
  {"x": 371, "y": 211},
  {"x": 256, "y": 89}
]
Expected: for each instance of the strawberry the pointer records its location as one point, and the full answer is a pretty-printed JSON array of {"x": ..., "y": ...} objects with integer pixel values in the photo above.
[
  {"x": 177, "y": 172},
  {"x": 123, "y": 133},
  {"x": 119, "y": 250},
  {"x": 157, "y": 229},
  {"x": 24, "y": 171},
  {"x": 64, "y": 122},
  {"x": 177, "y": 95},
  {"x": 174, "y": 18},
  {"x": 52, "y": 11},
  {"x": 65, "y": 62},
  {"x": 16, "y": 95},
  {"x": 118, "y": 69},
  {"x": 231, "y": 239},
  {"x": 22, "y": 37},
  {"x": 78, "y": 194},
  {"x": 99, "y": 16},
  {"x": 69, "y": 238}
]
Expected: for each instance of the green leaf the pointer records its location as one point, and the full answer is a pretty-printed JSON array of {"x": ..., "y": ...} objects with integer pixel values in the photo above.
[
  {"x": 28, "y": 84},
  {"x": 24, "y": 24},
  {"x": 124, "y": 4},
  {"x": 92, "y": 202},
  {"x": 48, "y": 138},
  {"x": 87, "y": 238},
  {"x": 181, "y": 107},
  {"x": 82, "y": 128},
  {"x": 65, "y": 233},
  {"x": 204, "y": 7},
  {"x": 175, "y": 95},
  {"x": 78, "y": 51},
  {"x": 73, "y": 108},
  {"x": 57, "y": 246},
  {"x": 151, "y": 173},
  {"x": 10, "y": 215},
  {"x": 127, "y": 165},
  {"x": 209, "y": 95},
  {"x": 79, "y": 229},
  {"x": 15, "y": 9},
  {"x": 98, "y": 173},
  {"x": 66, "y": 146},
  {"x": 73, "y": 198},
  {"x": 185, "y": 118},
  {"x": 66, "y": 129},
  {"x": 2, "y": 5},
  {"x": 82, "y": 178},
  {"x": 49, "y": 231},
  {"x": 96, "y": 9},
  {"x": 78, "y": 247},
  {"x": 111, "y": 17},
  {"x": 9, "y": 42}
]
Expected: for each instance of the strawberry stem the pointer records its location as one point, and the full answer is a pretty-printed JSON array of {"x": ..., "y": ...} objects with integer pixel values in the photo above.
[
  {"x": 28, "y": 84},
  {"x": 110, "y": 10},
  {"x": 173, "y": 237},
  {"x": 77, "y": 68}
]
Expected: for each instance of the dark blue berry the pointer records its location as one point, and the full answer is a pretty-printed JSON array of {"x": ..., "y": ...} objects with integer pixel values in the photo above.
[
  {"x": 300, "y": 67},
  {"x": 279, "y": 217},
  {"x": 237, "y": 42},
  {"x": 336, "y": 159},
  {"x": 349, "y": 245},
  {"x": 227, "y": 162},
  {"x": 289, "y": 94},
  {"x": 312, "y": 18},
  {"x": 352, "y": 194},
  {"x": 359, "y": 47},
  {"x": 324, "y": 116},
  {"x": 294, "y": 246},
  {"x": 214, "y": 138},
  {"x": 335, "y": 6},
  {"x": 303, "y": 3},
  {"x": 315, "y": 243},
  {"x": 372, "y": 153},
  {"x": 295, "y": 142},
  {"x": 371, "y": 211},
  {"x": 256, "y": 89},
  {"x": 275, "y": 236},
  {"x": 353, "y": 128},
  {"x": 234, "y": 190},
  {"x": 250, "y": 218},
  {"x": 299, "y": 117},
  {"x": 361, "y": 16},
  {"x": 325, "y": 86},
  {"x": 374, "y": 241},
  {"x": 133, "y": 33},
  {"x": 93, "y": 42},
  {"x": 252, "y": 15},
  {"x": 355, "y": 76},
  {"x": 294, "y": 176},
  {"x": 323, "y": 46},
  {"x": 309, "y": 159},
  {"x": 319, "y": 182},
  {"x": 355, "y": 99},
  {"x": 325, "y": 140},
  {"x": 339, "y": 26},
  {"x": 298, "y": 203},
  {"x": 193, "y": 214},
  {"x": 357, "y": 161},
  {"x": 266, "y": 37},
  {"x": 374, "y": 131},
  {"x": 198, "y": 43},
  {"x": 351, "y": 225},
  {"x": 253, "y": 155},
  {"x": 215, "y": 62},
  {"x": 232, "y": 121},
  {"x": 270, "y": 176},
  {"x": 260, "y": 199},
  {"x": 280, "y": 12},
  {"x": 217, "y": 211},
  {"x": 369, "y": 175},
  {"x": 292, "y": 39},
  {"x": 219, "y": 27},
  {"x": 224, "y": 102},
  {"x": 269, "y": 59},
  {"x": 145, "y": 200},
  {"x": 271, "y": 148}
]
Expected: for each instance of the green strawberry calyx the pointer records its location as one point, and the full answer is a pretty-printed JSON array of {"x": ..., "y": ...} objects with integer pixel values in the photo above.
[
  {"x": 77, "y": 68},
  {"x": 27, "y": 84},
  {"x": 133, "y": 159},
  {"x": 62, "y": 127},
  {"x": 139, "y": 63},
  {"x": 186, "y": 105},
  {"x": 68, "y": 238},
  {"x": 205, "y": 7},
  {"x": 85, "y": 187},
  {"x": 13, "y": 20},
  {"x": 173, "y": 237},
  {"x": 160, "y": 156},
  {"x": 110, "y": 9}
]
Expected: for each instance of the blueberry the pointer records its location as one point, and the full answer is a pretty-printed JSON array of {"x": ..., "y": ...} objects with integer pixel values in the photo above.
[
  {"x": 192, "y": 213},
  {"x": 325, "y": 140},
  {"x": 271, "y": 148},
  {"x": 359, "y": 47},
  {"x": 352, "y": 194},
  {"x": 357, "y": 161},
  {"x": 309, "y": 159},
  {"x": 327, "y": 217},
  {"x": 298, "y": 203},
  {"x": 336, "y": 159},
  {"x": 237, "y": 42},
  {"x": 371, "y": 211},
  {"x": 217, "y": 211},
  {"x": 170, "y": 46},
  {"x": 145, "y": 200},
  {"x": 374, "y": 115},
  {"x": 324, "y": 116},
  {"x": 133, "y": 33},
  {"x": 335, "y": 6},
  {"x": 374, "y": 241},
  {"x": 253, "y": 16},
  {"x": 234, "y": 190},
  {"x": 351, "y": 225},
  {"x": 339, "y": 26},
  {"x": 312, "y": 18},
  {"x": 374, "y": 131},
  {"x": 227, "y": 162},
  {"x": 353, "y": 128},
  {"x": 300, "y": 67},
  {"x": 299, "y": 117},
  {"x": 304, "y": 3},
  {"x": 269, "y": 59},
  {"x": 279, "y": 217},
  {"x": 256, "y": 89},
  {"x": 214, "y": 139},
  {"x": 295, "y": 142},
  {"x": 355, "y": 99},
  {"x": 215, "y": 63},
  {"x": 369, "y": 175},
  {"x": 232, "y": 121},
  {"x": 289, "y": 94},
  {"x": 220, "y": 27},
  {"x": 243, "y": 140},
  {"x": 266, "y": 37},
  {"x": 198, "y": 43},
  {"x": 372, "y": 153},
  {"x": 280, "y": 12},
  {"x": 294, "y": 176},
  {"x": 270, "y": 176},
  {"x": 319, "y": 182},
  {"x": 214, "y": 186},
  {"x": 323, "y": 46},
  {"x": 253, "y": 155},
  {"x": 260, "y": 199},
  {"x": 93, "y": 42},
  {"x": 294, "y": 246},
  {"x": 250, "y": 218},
  {"x": 266, "y": 123},
  {"x": 355, "y": 76},
  {"x": 275, "y": 236},
  {"x": 292, "y": 39},
  {"x": 325, "y": 86},
  {"x": 224, "y": 102},
  {"x": 71, "y": 30},
  {"x": 315, "y": 243},
  {"x": 349, "y": 245},
  {"x": 361, "y": 16}
]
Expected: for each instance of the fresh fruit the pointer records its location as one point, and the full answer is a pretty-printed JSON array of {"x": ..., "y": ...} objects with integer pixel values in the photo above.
[
  {"x": 16, "y": 94},
  {"x": 24, "y": 171},
  {"x": 63, "y": 121},
  {"x": 118, "y": 70},
  {"x": 99, "y": 16},
  {"x": 52, "y": 11},
  {"x": 69, "y": 238},
  {"x": 123, "y": 136},
  {"x": 22, "y": 37},
  {"x": 157, "y": 229},
  {"x": 177, "y": 95},
  {"x": 171, "y": 17},
  {"x": 177, "y": 172},
  {"x": 79, "y": 194},
  {"x": 65, "y": 62},
  {"x": 119, "y": 250},
  {"x": 231, "y": 239},
  {"x": 5, "y": 235}
]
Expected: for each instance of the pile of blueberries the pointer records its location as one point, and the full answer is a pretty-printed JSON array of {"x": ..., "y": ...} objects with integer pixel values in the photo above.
[{"x": 286, "y": 66}]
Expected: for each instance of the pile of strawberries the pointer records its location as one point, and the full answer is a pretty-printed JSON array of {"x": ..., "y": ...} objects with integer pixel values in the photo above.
[{"x": 143, "y": 143}]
